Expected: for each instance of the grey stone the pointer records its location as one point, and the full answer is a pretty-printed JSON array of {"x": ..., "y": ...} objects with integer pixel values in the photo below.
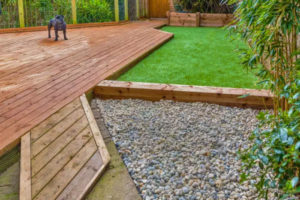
[{"x": 176, "y": 150}]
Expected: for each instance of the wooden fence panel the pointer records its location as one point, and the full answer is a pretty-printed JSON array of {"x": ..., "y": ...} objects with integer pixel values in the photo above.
[{"x": 158, "y": 8}]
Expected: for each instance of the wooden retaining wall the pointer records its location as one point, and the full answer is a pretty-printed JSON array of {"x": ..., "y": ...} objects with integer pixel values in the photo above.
[
  {"x": 215, "y": 20},
  {"x": 197, "y": 19},
  {"x": 183, "y": 19},
  {"x": 152, "y": 91}
]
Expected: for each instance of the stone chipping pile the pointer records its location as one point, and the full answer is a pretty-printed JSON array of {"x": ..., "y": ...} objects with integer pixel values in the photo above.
[{"x": 181, "y": 151}]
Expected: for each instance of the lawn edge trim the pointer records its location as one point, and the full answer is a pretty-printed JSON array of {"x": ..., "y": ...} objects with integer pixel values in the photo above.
[{"x": 236, "y": 97}]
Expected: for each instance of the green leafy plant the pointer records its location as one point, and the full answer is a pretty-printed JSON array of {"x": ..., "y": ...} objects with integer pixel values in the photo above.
[
  {"x": 39, "y": 12},
  {"x": 204, "y": 6},
  {"x": 276, "y": 149},
  {"x": 94, "y": 11},
  {"x": 9, "y": 14},
  {"x": 271, "y": 28}
]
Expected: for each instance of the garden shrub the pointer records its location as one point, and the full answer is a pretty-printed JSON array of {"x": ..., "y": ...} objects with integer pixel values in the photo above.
[
  {"x": 276, "y": 149},
  {"x": 9, "y": 16},
  {"x": 94, "y": 11},
  {"x": 39, "y": 12},
  {"x": 203, "y": 6},
  {"x": 271, "y": 29}
]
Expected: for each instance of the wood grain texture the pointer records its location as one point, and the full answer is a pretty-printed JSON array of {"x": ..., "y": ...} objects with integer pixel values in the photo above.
[
  {"x": 95, "y": 130},
  {"x": 215, "y": 20},
  {"x": 197, "y": 19},
  {"x": 156, "y": 92},
  {"x": 44, "y": 176},
  {"x": 25, "y": 168},
  {"x": 83, "y": 181},
  {"x": 184, "y": 19},
  {"x": 50, "y": 75},
  {"x": 55, "y": 132},
  {"x": 53, "y": 120},
  {"x": 56, "y": 185},
  {"x": 58, "y": 145},
  {"x": 66, "y": 160},
  {"x": 158, "y": 8}
]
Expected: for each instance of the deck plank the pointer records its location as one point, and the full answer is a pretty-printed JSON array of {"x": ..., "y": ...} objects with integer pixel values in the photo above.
[
  {"x": 67, "y": 159},
  {"x": 58, "y": 145},
  {"x": 55, "y": 132},
  {"x": 40, "y": 129},
  {"x": 38, "y": 76},
  {"x": 74, "y": 191},
  {"x": 43, "y": 177},
  {"x": 25, "y": 168},
  {"x": 65, "y": 175}
]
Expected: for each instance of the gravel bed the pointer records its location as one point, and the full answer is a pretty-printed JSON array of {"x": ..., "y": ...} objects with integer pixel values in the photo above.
[{"x": 179, "y": 150}]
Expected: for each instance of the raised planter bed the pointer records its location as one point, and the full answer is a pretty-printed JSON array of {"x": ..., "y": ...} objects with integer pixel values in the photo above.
[
  {"x": 197, "y": 19},
  {"x": 183, "y": 19},
  {"x": 215, "y": 20},
  {"x": 152, "y": 91}
]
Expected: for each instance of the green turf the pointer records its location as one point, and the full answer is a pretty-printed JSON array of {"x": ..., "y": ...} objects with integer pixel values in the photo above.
[{"x": 196, "y": 56}]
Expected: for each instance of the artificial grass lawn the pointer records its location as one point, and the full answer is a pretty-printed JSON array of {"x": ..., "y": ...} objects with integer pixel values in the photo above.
[{"x": 196, "y": 56}]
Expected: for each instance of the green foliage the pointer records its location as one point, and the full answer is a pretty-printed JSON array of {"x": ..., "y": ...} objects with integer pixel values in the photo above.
[
  {"x": 9, "y": 16},
  {"x": 204, "y": 6},
  {"x": 271, "y": 29},
  {"x": 93, "y": 11},
  {"x": 276, "y": 149},
  {"x": 39, "y": 12}
]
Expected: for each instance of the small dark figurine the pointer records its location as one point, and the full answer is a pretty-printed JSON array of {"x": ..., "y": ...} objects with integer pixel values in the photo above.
[{"x": 59, "y": 25}]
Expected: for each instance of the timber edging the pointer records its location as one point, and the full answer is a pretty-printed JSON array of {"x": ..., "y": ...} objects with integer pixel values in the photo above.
[
  {"x": 199, "y": 19},
  {"x": 261, "y": 99}
]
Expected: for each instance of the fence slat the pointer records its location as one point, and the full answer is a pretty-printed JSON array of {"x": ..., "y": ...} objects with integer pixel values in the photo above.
[
  {"x": 147, "y": 9},
  {"x": 126, "y": 9},
  {"x": 74, "y": 12},
  {"x": 21, "y": 13},
  {"x": 137, "y": 9},
  {"x": 144, "y": 10},
  {"x": 117, "y": 17}
]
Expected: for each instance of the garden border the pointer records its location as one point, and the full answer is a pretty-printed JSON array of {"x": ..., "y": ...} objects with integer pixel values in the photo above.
[
  {"x": 260, "y": 99},
  {"x": 69, "y": 26},
  {"x": 199, "y": 19}
]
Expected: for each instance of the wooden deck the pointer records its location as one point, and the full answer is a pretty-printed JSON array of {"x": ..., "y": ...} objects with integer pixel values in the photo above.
[
  {"x": 39, "y": 76},
  {"x": 63, "y": 156}
]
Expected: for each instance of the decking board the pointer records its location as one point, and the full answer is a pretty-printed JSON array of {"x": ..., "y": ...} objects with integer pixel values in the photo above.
[
  {"x": 55, "y": 132},
  {"x": 38, "y": 76},
  {"x": 45, "y": 126},
  {"x": 56, "y": 146},
  {"x": 67, "y": 159}
]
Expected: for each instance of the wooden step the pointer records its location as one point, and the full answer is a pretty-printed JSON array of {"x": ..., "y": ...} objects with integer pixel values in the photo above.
[{"x": 62, "y": 157}]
